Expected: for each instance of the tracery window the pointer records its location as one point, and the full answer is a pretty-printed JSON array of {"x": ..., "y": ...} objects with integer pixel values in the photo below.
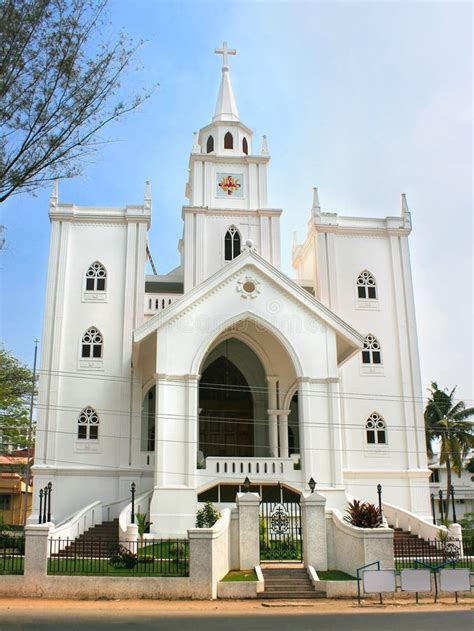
[
  {"x": 231, "y": 244},
  {"x": 88, "y": 424},
  {"x": 228, "y": 141},
  {"x": 210, "y": 144},
  {"x": 366, "y": 286},
  {"x": 92, "y": 342},
  {"x": 371, "y": 353},
  {"x": 245, "y": 146},
  {"x": 96, "y": 277},
  {"x": 376, "y": 430}
]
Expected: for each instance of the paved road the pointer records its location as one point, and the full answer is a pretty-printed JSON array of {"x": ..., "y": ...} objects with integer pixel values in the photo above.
[{"x": 397, "y": 621}]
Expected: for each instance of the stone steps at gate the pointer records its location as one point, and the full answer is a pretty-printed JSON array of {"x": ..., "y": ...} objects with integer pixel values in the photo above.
[
  {"x": 288, "y": 583},
  {"x": 97, "y": 539}
]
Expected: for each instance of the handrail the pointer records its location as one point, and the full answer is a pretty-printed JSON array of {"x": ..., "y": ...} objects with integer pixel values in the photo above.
[
  {"x": 403, "y": 518},
  {"x": 76, "y": 524}
]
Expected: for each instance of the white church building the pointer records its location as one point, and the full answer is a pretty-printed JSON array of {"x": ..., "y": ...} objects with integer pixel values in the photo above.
[{"x": 225, "y": 368}]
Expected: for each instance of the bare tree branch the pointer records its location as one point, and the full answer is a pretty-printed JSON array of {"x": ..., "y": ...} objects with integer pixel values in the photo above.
[{"x": 55, "y": 94}]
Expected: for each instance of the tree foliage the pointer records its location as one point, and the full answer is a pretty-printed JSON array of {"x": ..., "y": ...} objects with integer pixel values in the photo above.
[
  {"x": 446, "y": 422},
  {"x": 16, "y": 381},
  {"x": 59, "y": 84}
]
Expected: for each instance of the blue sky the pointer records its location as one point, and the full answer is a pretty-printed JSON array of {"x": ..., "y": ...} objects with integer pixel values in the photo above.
[{"x": 365, "y": 100}]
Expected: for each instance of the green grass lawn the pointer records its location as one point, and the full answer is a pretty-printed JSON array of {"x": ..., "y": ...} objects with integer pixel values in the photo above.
[
  {"x": 11, "y": 565},
  {"x": 240, "y": 575},
  {"x": 99, "y": 567},
  {"x": 335, "y": 575}
]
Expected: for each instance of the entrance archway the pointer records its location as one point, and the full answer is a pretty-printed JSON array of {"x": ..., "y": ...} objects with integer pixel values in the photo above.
[{"x": 233, "y": 402}]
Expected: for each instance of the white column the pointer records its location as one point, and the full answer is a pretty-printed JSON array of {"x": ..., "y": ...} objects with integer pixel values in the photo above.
[
  {"x": 191, "y": 429},
  {"x": 272, "y": 416},
  {"x": 283, "y": 432},
  {"x": 249, "y": 540}
]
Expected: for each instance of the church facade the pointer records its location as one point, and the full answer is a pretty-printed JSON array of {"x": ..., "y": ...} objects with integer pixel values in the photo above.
[{"x": 223, "y": 369}]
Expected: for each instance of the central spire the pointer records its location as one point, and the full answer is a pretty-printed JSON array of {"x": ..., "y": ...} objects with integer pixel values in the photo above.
[{"x": 226, "y": 107}]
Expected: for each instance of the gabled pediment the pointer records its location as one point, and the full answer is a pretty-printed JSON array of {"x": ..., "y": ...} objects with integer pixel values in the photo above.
[{"x": 348, "y": 340}]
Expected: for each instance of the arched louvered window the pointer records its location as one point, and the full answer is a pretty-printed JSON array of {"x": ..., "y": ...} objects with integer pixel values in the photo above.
[
  {"x": 376, "y": 430},
  {"x": 228, "y": 141},
  {"x": 92, "y": 342},
  {"x": 366, "y": 286},
  {"x": 88, "y": 424},
  {"x": 210, "y": 144},
  {"x": 96, "y": 277},
  {"x": 231, "y": 243},
  {"x": 371, "y": 353},
  {"x": 245, "y": 146}
]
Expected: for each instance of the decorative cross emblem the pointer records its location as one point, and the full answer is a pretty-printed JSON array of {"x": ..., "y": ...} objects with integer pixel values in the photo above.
[
  {"x": 279, "y": 520},
  {"x": 225, "y": 52}
]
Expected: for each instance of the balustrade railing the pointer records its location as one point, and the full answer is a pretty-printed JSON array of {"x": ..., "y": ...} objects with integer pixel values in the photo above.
[{"x": 255, "y": 468}]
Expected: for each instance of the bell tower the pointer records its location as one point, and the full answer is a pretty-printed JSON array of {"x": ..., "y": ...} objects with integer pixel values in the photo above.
[{"x": 227, "y": 192}]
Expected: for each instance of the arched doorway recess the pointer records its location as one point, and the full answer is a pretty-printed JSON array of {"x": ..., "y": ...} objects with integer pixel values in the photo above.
[{"x": 233, "y": 402}]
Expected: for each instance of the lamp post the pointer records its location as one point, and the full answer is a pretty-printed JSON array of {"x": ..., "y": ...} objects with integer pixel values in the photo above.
[
  {"x": 45, "y": 503},
  {"x": 312, "y": 484},
  {"x": 451, "y": 490},
  {"x": 440, "y": 493},
  {"x": 379, "y": 493},
  {"x": 246, "y": 485},
  {"x": 40, "y": 516},
  {"x": 132, "y": 491},
  {"x": 50, "y": 488},
  {"x": 433, "y": 508}
]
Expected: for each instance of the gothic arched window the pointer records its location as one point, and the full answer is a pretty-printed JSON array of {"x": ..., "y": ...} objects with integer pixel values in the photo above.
[
  {"x": 376, "y": 430},
  {"x": 366, "y": 286},
  {"x": 231, "y": 243},
  {"x": 88, "y": 424},
  {"x": 96, "y": 277},
  {"x": 371, "y": 353},
  {"x": 210, "y": 144},
  {"x": 245, "y": 146},
  {"x": 92, "y": 343},
  {"x": 228, "y": 141}
]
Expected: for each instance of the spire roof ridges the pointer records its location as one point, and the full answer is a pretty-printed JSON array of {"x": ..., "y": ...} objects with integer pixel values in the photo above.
[{"x": 226, "y": 106}]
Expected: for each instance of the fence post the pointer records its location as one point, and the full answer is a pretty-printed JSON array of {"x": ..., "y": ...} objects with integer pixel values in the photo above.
[
  {"x": 313, "y": 523},
  {"x": 249, "y": 532},
  {"x": 36, "y": 549}
]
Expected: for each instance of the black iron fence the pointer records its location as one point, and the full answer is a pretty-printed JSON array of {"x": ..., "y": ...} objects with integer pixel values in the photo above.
[
  {"x": 434, "y": 553},
  {"x": 12, "y": 553},
  {"x": 280, "y": 531},
  {"x": 97, "y": 556}
]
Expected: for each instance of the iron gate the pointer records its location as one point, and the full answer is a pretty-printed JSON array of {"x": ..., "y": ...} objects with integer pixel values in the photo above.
[{"x": 280, "y": 531}]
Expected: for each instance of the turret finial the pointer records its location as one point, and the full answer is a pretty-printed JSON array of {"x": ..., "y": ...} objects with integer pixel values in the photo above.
[
  {"x": 147, "y": 197},
  {"x": 316, "y": 208},
  {"x": 54, "y": 198},
  {"x": 196, "y": 145},
  {"x": 264, "y": 146},
  {"x": 405, "y": 208},
  {"x": 226, "y": 107}
]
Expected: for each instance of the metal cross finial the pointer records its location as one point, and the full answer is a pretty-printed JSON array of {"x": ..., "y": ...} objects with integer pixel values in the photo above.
[{"x": 225, "y": 52}]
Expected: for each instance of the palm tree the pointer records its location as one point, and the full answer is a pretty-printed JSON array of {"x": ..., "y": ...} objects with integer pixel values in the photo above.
[{"x": 446, "y": 421}]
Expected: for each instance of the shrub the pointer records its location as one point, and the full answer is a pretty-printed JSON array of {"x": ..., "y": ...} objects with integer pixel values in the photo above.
[
  {"x": 363, "y": 515},
  {"x": 178, "y": 551},
  {"x": 122, "y": 559},
  {"x": 207, "y": 516}
]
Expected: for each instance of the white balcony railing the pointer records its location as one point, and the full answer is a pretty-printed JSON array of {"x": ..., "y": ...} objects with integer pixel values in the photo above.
[
  {"x": 154, "y": 303},
  {"x": 257, "y": 468}
]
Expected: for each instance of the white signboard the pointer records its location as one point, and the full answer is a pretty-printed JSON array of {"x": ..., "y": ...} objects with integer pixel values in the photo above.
[
  {"x": 415, "y": 580},
  {"x": 454, "y": 581},
  {"x": 377, "y": 581}
]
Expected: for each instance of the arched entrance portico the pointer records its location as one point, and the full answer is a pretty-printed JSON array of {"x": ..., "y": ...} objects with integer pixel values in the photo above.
[{"x": 233, "y": 402}]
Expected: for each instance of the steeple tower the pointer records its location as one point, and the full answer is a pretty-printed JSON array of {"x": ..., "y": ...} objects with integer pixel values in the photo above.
[
  {"x": 226, "y": 107},
  {"x": 227, "y": 192}
]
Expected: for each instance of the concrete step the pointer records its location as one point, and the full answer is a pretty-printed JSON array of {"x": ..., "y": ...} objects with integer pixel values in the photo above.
[{"x": 292, "y": 595}]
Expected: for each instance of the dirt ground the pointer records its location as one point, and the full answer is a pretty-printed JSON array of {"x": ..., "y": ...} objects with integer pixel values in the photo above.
[{"x": 38, "y": 608}]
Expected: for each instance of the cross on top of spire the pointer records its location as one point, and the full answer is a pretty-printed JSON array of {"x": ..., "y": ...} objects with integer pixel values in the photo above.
[{"x": 225, "y": 52}]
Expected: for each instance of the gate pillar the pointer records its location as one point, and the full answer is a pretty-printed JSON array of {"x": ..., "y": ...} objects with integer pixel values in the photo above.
[
  {"x": 313, "y": 523},
  {"x": 249, "y": 534}
]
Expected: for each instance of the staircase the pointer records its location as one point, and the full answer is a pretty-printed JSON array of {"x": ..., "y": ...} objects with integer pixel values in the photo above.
[
  {"x": 288, "y": 583},
  {"x": 407, "y": 544},
  {"x": 94, "y": 543}
]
